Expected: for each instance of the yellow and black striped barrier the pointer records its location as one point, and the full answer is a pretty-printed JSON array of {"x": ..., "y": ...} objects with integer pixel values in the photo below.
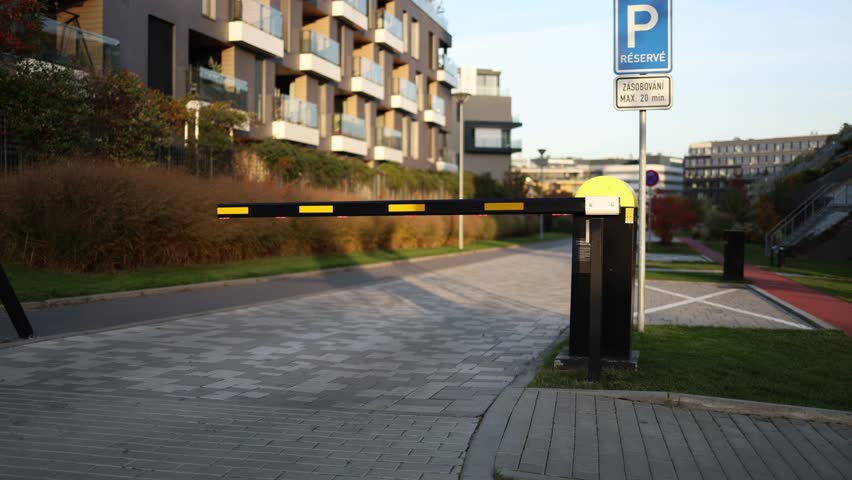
[
  {"x": 564, "y": 206},
  {"x": 602, "y": 259}
]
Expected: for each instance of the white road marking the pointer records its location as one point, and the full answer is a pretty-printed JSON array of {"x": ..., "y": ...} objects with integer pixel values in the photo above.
[{"x": 703, "y": 299}]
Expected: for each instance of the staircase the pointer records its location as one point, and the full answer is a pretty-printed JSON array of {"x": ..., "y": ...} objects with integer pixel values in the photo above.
[{"x": 824, "y": 209}]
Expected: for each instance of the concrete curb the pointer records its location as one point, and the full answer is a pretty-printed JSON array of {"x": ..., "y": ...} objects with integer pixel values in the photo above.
[
  {"x": 726, "y": 405},
  {"x": 103, "y": 297},
  {"x": 814, "y": 321}
]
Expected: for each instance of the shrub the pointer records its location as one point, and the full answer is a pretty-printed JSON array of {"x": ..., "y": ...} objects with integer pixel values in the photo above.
[
  {"x": 671, "y": 213},
  {"x": 104, "y": 216}
]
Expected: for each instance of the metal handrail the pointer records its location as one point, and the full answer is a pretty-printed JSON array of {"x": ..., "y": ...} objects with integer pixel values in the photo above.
[{"x": 790, "y": 218}]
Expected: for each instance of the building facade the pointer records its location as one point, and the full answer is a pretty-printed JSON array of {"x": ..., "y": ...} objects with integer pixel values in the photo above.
[
  {"x": 710, "y": 166},
  {"x": 366, "y": 78},
  {"x": 488, "y": 123}
]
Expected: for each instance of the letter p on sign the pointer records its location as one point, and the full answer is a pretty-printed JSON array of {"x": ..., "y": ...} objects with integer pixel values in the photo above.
[
  {"x": 633, "y": 27},
  {"x": 643, "y": 36}
]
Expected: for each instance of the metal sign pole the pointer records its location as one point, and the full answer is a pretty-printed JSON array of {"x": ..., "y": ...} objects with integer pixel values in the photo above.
[{"x": 642, "y": 217}]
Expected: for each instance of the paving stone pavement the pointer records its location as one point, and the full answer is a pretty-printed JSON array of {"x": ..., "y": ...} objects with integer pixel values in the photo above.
[
  {"x": 405, "y": 367},
  {"x": 561, "y": 434}
]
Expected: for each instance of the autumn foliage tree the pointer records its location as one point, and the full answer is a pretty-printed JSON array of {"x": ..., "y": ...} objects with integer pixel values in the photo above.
[
  {"x": 20, "y": 23},
  {"x": 670, "y": 213}
]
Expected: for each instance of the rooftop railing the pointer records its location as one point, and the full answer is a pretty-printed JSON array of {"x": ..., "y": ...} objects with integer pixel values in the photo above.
[
  {"x": 259, "y": 15},
  {"x": 321, "y": 46},
  {"x": 428, "y": 6}
]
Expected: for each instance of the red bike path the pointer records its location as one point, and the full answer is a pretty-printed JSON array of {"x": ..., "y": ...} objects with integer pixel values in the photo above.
[{"x": 829, "y": 309}]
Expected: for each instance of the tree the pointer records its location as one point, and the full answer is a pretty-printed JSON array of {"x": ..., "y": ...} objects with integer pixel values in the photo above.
[
  {"x": 734, "y": 200},
  {"x": 766, "y": 215},
  {"x": 670, "y": 213},
  {"x": 20, "y": 23}
]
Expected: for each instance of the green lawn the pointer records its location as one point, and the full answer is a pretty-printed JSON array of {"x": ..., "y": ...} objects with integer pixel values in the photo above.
[
  {"x": 38, "y": 284},
  {"x": 754, "y": 255},
  {"x": 685, "y": 265},
  {"x": 674, "y": 249},
  {"x": 696, "y": 276},
  {"x": 808, "y": 368}
]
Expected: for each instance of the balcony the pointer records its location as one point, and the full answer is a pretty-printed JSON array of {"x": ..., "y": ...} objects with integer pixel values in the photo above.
[
  {"x": 73, "y": 47},
  {"x": 389, "y": 32},
  {"x": 320, "y": 55},
  {"x": 447, "y": 161},
  {"x": 256, "y": 26},
  {"x": 388, "y": 146},
  {"x": 353, "y": 12},
  {"x": 368, "y": 77},
  {"x": 448, "y": 71},
  {"x": 350, "y": 135},
  {"x": 437, "y": 111},
  {"x": 404, "y": 96},
  {"x": 296, "y": 120},
  {"x": 211, "y": 86},
  {"x": 485, "y": 142}
]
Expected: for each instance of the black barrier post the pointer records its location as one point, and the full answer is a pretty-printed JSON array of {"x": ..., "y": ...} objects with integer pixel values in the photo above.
[
  {"x": 595, "y": 227},
  {"x": 13, "y": 307}
]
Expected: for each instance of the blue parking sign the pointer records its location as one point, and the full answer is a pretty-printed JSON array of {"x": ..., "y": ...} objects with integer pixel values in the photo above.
[{"x": 643, "y": 36}]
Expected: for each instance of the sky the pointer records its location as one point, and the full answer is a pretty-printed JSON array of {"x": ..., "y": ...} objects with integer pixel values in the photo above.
[{"x": 741, "y": 68}]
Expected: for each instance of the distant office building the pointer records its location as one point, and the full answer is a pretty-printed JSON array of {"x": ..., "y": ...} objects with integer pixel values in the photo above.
[
  {"x": 710, "y": 166},
  {"x": 669, "y": 169},
  {"x": 565, "y": 175},
  {"x": 488, "y": 123}
]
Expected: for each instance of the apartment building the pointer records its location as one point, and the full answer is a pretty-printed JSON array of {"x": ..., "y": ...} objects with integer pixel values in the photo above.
[
  {"x": 366, "y": 78},
  {"x": 488, "y": 123},
  {"x": 710, "y": 166}
]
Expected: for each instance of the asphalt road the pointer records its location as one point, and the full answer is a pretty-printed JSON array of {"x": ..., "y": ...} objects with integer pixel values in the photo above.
[{"x": 99, "y": 315}]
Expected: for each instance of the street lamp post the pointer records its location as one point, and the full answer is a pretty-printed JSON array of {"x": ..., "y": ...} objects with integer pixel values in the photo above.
[
  {"x": 461, "y": 97},
  {"x": 542, "y": 161}
]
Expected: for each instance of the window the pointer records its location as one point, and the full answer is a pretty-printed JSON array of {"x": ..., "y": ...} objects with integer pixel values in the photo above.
[
  {"x": 208, "y": 8},
  {"x": 488, "y": 137},
  {"x": 415, "y": 38},
  {"x": 487, "y": 84}
]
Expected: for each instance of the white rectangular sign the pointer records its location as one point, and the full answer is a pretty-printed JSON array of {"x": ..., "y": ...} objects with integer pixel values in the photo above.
[{"x": 643, "y": 92}]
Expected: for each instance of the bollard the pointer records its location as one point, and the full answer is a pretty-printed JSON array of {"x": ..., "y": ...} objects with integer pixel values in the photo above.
[
  {"x": 780, "y": 257},
  {"x": 734, "y": 255}
]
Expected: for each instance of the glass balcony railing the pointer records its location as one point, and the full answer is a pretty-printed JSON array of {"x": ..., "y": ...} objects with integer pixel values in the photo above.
[
  {"x": 366, "y": 68},
  {"x": 428, "y": 6},
  {"x": 297, "y": 111},
  {"x": 503, "y": 143},
  {"x": 350, "y": 126},
  {"x": 259, "y": 15},
  {"x": 390, "y": 23},
  {"x": 74, "y": 47},
  {"x": 405, "y": 88},
  {"x": 388, "y": 137},
  {"x": 447, "y": 64},
  {"x": 360, "y": 5},
  {"x": 212, "y": 86},
  {"x": 517, "y": 143},
  {"x": 437, "y": 104},
  {"x": 321, "y": 46}
]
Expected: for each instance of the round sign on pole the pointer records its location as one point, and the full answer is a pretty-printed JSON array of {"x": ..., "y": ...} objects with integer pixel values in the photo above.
[{"x": 652, "y": 178}]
